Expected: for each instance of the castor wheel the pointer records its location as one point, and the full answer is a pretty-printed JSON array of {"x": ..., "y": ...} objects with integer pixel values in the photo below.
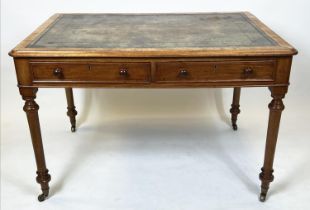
[
  {"x": 73, "y": 128},
  {"x": 262, "y": 197},
  {"x": 235, "y": 127},
  {"x": 42, "y": 197}
]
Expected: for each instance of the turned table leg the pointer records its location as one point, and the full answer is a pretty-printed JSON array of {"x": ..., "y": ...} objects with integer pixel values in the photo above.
[
  {"x": 71, "y": 108},
  {"x": 276, "y": 107},
  {"x": 31, "y": 108},
  {"x": 235, "y": 107}
]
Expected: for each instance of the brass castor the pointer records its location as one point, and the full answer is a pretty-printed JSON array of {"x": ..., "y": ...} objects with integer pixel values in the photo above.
[
  {"x": 42, "y": 197},
  {"x": 262, "y": 197},
  {"x": 73, "y": 129},
  {"x": 235, "y": 127}
]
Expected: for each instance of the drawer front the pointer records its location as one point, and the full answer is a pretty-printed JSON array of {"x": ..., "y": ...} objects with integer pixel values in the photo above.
[
  {"x": 215, "y": 71},
  {"x": 92, "y": 72}
]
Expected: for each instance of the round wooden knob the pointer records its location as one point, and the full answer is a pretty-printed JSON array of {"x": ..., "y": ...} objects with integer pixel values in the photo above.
[
  {"x": 183, "y": 72},
  {"x": 58, "y": 73},
  {"x": 123, "y": 72},
  {"x": 248, "y": 71}
]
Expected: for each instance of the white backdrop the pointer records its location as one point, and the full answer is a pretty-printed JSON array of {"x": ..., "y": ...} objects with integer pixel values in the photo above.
[{"x": 156, "y": 149}]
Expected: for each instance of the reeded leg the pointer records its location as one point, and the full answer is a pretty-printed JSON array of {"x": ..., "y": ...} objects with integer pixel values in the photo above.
[
  {"x": 235, "y": 107},
  {"x": 276, "y": 107},
  {"x": 71, "y": 108},
  {"x": 31, "y": 108}
]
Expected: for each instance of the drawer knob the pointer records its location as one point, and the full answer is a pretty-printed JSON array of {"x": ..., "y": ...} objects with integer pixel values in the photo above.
[
  {"x": 183, "y": 73},
  {"x": 248, "y": 72},
  {"x": 58, "y": 73},
  {"x": 123, "y": 72}
]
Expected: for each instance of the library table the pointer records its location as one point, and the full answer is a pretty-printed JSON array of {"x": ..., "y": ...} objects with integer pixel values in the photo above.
[{"x": 205, "y": 50}]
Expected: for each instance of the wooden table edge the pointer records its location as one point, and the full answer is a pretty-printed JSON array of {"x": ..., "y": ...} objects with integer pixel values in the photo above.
[{"x": 283, "y": 48}]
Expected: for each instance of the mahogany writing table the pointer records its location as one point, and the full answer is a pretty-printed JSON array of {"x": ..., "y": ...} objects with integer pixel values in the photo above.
[{"x": 153, "y": 51}]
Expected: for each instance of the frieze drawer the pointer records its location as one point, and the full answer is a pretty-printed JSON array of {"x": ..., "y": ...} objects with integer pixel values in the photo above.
[
  {"x": 215, "y": 71},
  {"x": 113, "y": 72}
]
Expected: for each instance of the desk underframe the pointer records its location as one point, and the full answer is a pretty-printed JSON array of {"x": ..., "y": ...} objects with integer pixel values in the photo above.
[{"x": 28, "y": 89}]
